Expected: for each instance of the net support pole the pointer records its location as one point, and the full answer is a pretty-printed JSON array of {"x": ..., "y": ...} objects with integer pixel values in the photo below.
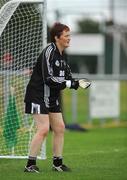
[
  {"x": 43, "y": 10},
  {"x": 116, "y": 52},
  {"x": 44, "y": 33}
]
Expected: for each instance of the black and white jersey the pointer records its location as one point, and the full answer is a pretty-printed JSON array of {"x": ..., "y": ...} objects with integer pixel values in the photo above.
[{"x": 48, "y": 77}]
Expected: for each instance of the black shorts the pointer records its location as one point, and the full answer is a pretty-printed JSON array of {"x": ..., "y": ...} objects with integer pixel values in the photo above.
[{"x": 33, "y": 108}]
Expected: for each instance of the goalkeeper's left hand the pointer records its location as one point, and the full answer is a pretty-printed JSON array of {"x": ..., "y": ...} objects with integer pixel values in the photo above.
[{"x": 72, "y": 84}]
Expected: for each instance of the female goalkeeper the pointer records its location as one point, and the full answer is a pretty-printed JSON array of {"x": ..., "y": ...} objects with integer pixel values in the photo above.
[{"x": 50, "y": 75}]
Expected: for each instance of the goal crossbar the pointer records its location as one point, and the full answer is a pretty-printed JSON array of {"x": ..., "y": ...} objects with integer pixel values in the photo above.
[
  {"x": 10, "y": 8},
  {"x": 26, "y": 1}
]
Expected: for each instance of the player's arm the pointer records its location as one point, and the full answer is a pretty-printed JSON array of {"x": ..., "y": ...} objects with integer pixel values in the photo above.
[
  {"x": 70, "y": 82},
  {"x": 73, "y": 83},
  {"x": 47, "y": 70}
]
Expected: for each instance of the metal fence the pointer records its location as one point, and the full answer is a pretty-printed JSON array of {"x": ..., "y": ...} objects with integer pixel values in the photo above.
[{"x": 78, "y": 105}]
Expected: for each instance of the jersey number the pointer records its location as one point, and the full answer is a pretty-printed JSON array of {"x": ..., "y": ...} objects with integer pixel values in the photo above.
[{"x": 62, "y": 73}]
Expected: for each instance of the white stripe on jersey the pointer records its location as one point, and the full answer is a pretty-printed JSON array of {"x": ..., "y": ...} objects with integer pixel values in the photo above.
[
  {"x": 58, "y": 79},
  {"x": 46, "y": 95},
  {"x": 48, "y": 54}
]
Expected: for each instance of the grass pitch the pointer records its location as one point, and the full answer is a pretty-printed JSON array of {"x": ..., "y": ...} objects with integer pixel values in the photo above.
[{"x": 98, "y": 154}]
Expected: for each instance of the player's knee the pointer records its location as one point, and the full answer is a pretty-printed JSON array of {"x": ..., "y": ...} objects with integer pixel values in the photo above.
[
  {"x": 60, "y": 128},
  {"x": 43, "y": 132}
]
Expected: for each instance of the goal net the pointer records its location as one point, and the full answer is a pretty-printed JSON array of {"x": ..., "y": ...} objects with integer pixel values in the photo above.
[{"x": 22, "y": 37}]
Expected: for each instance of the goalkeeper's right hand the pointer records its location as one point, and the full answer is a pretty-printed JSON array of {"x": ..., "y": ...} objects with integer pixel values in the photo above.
[{"x": 72, "y": 84}]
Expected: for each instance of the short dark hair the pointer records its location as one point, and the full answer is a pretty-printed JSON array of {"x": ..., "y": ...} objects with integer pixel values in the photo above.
[{"x": 57, "y": 29}]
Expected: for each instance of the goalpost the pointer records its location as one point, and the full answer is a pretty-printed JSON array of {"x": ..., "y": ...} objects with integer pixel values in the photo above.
[{"x": 23, "y": 35}]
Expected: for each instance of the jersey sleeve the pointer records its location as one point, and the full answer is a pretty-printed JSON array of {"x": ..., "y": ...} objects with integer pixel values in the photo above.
[
  {"x": 68, "y": 74},
  {"x": 47, "y": 70}
]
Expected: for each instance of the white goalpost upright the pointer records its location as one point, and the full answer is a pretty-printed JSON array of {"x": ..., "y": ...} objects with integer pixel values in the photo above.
[{"x": 23, "y": 35}]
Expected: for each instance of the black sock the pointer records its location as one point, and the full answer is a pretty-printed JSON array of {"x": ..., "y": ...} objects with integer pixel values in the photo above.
[
  {"x": 31, "y": 161},
  {"x": 57, "y": 161}
]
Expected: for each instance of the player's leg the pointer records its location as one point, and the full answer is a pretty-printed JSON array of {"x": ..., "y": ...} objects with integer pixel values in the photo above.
[
  {"x": 42, "y": 126},
  {"x": 58, "y": 128}
]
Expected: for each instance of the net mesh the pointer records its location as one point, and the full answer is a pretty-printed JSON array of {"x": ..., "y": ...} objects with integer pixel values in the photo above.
[
  {"x": 20, "y": 45},
  {"x": 2, "y": 2}
]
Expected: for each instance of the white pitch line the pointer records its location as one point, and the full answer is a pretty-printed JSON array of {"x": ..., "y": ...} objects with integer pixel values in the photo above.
[{"x": 97, "y": 152}]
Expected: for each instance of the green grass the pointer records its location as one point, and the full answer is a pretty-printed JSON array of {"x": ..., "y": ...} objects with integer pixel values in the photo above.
[{"x": 98, "y": 154}]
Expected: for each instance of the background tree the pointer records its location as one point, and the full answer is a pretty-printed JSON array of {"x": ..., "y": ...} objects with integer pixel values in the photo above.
[{"x": 88, "y": 26}]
